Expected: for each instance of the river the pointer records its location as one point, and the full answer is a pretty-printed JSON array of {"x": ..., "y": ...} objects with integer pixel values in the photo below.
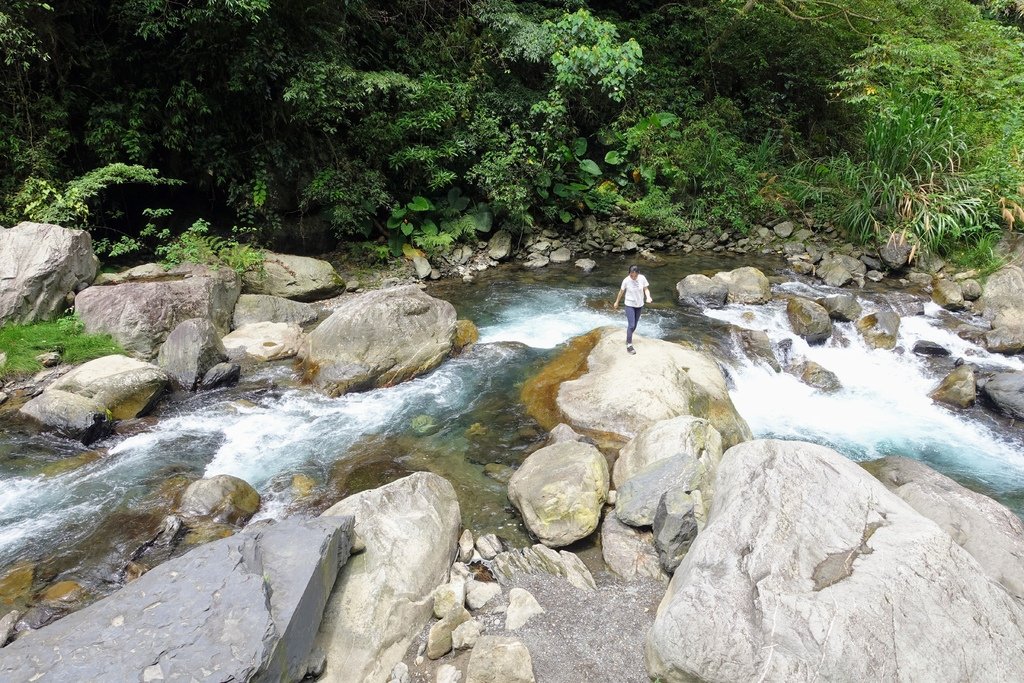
[{"x": 80, "y": 514}]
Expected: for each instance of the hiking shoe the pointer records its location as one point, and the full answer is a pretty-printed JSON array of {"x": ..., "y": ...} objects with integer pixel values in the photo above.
[{"x": 630, "y": 349}]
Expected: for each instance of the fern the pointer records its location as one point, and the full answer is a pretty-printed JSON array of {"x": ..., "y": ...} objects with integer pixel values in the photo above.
[{"x": 196, "y": 245}]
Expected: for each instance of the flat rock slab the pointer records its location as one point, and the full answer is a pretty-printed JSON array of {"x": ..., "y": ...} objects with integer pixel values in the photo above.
[{"x": 244, "y": 608}]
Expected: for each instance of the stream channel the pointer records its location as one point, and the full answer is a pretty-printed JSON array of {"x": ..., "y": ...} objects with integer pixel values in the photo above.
[{"x": 75, "y": 514}]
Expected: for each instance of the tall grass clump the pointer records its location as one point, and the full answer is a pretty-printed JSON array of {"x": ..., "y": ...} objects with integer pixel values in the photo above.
[
  {"x": 913, "y": 176},
  {"x": 66, "y": 336}
]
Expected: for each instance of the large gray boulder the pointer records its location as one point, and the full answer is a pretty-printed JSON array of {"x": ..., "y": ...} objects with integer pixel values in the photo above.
[
  {"x": 264, "y": 308},
  {"x": 244, "y": 608},
  {"x": 622, "y": 394},
  {"x": 1005, "y": 390},
  {"x": 191, "y": 349},
  {"x": 384, "y": 595},
  {"x": 809, "y": 569},
  {"x": 692, "y": 437},
  {"x": 293, "y": 277},
  {"x": 378, "y": 339},
  {"x": 992, "y": 534},
  {"x": 83, "y": 403},
  {"x": 746, "y": 285},
  {"x": 1002, "y": 299},
  {"x": 69, "y": 415},
  {"x": 560, "y": 490},
  {"x": 126, "y": 387},
  {"x": 41, "y": 267},
  {"x": 810, "y": 320},
  {"x": 700, "y": 291},
  {"x": 140, "y": 314}
]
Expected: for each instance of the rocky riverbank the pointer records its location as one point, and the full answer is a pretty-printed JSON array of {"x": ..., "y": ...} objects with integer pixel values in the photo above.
[{"x": 777, "y": 560}]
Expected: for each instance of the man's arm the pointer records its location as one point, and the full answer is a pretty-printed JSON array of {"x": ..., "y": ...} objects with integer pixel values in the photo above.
[{"x": 647, "y": 293}]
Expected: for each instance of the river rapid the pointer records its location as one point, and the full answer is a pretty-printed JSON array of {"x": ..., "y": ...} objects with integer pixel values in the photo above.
[{"x": 76, "y": 514}]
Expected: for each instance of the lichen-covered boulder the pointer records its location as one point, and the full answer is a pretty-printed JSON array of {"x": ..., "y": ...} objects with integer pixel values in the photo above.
[
  {"x": 746, "y": 285},
  {"x": 560, "y": 490},
  {"x": 293, "y": 277}
]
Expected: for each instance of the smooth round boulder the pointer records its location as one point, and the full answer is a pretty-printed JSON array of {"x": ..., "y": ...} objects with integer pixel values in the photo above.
[
  {"x": 70, "y": 415},
  {"x": 809, "y": 320},
  {"x": 621, "y": 394},
  {"x": 378, "y": 339},
  {"x": 125, "y": 387},
  {"x": 222, "y": 497},
  {"x": 746, "y": 285},
  {"x": 293, "y": 277},
  {"x": 560, "y": 490},
  {"x": 700, "y": 291}
]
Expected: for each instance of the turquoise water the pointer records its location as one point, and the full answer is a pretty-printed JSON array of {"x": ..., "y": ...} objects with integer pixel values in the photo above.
[{"x": 466, "y": 422}]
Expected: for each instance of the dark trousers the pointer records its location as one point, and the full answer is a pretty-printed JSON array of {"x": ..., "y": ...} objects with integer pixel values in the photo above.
[{"x": 632, "y": 319}]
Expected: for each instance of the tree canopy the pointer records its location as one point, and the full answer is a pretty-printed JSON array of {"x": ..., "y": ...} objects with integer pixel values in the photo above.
[{"x": 313, "y": 123}]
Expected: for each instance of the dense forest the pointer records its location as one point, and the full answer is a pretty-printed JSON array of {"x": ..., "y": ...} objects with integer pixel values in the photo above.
[{"x": 313, "y": 125}]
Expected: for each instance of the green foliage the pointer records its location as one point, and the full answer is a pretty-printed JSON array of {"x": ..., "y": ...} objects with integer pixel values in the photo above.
[
  {"x": 981, "y": 256},
  {"x": 708, "y": 170},
  {"x": 69, "y": 206},
  {"x": 196, "y": 245},
  {"x": 435, "y": 226},
  {"x": 66, "y": 336}
]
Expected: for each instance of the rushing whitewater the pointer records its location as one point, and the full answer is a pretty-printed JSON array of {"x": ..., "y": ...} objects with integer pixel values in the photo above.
[{"x": 465, "y": 420}]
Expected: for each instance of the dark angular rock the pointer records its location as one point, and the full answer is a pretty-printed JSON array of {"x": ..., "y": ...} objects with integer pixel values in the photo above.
[{"x": 245, "y": 608}]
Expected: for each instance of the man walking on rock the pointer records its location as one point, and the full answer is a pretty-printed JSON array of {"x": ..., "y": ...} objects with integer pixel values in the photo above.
[{"x": 637, "y": 289}]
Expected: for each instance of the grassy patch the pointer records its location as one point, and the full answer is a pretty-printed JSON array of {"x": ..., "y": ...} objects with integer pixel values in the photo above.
[{"x": 22, "y": 343}]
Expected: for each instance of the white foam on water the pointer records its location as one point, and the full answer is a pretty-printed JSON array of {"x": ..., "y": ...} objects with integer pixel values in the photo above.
[
  {"x": 883, "y": 407},
  {"x": 543, "y": 317}
]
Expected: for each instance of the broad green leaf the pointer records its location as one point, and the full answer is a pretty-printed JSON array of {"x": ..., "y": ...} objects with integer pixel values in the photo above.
[
  {"x": 419, "y": 203},
  {"x": 613, "y": 158},
  {"x": 579, "y": 146},
  {"x": 590, "y": 166},
  {"x": 565, "y": 216}
]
